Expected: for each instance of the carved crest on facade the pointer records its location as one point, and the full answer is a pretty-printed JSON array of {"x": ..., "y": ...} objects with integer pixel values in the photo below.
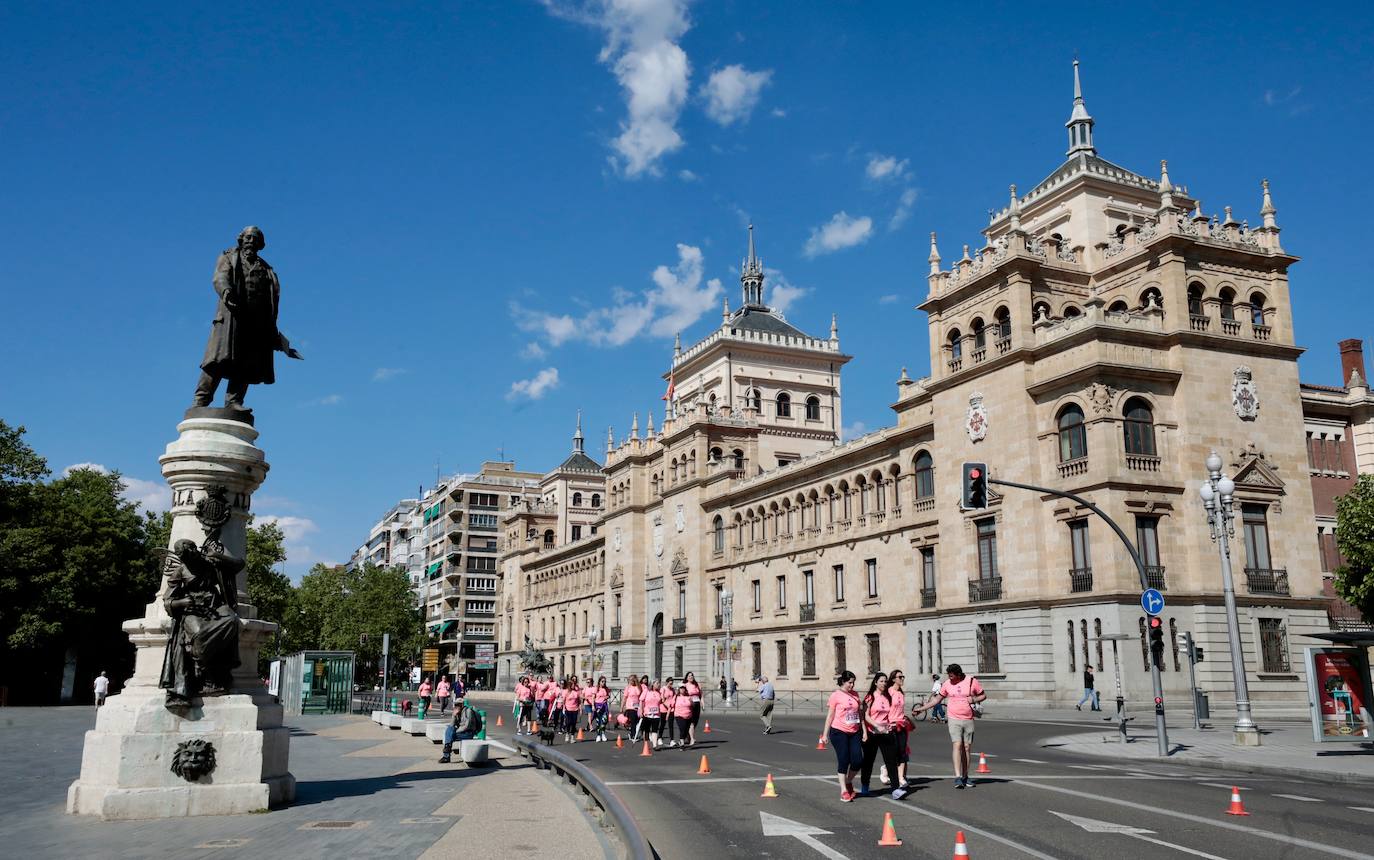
[
  {"x": 1244, "y": 395},
  {"x": 681, "y": 518},
  {"x": 212, "y": 511},
  {"x": 658, "y": 535},
  {"x": 977, "y": 421},
  {"x": 617, "y": 576},
  {"x": 615, "y": 539},
  {"x": 679, "y": 565},
  {"x": 1101, "y": 397}
]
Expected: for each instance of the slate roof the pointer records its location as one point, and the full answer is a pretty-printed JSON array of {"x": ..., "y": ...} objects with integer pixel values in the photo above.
[
  {"x": 579, "y": 462},
  {"x": 760, "y": 319}
]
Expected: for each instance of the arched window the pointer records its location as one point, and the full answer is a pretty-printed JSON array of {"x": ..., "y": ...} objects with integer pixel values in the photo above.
[
  {"x": 925, "y": 476},
  {"x": 715, "y": 455},
  {"x": 1073, "y": 436},
  {"x": 1003, "y": 317},
  {"x": 784, "y": 403},
  {"x": 1139, "y": 427},
  {"x": 718, "y": 534},
  {"x": 1195, "y": 299},
  {"x": 755, "y": 399},
  {"x": 1118, "y": 307},
  {"x": 739, "y": 459},
  {"x": 956, "y": 346},
  {"x": 596, "y": 500},
  {"x": 980, "y": 335},
  {"x": 1257, "y": 309},
  {"x": 548, "y": 538},
  {"x": 711, "y": 405},
  {"x": 1228, "y": 304},
  {"x": 577, "y": 500},
  {"x": 1151, "y": 298},
  {"x": 813, "y": 408},
  {"x": 1070, "y": 312}
]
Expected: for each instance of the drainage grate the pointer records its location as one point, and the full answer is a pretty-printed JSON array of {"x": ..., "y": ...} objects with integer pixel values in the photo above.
[
  {"x": 335, "y": 825},
  {"x": 431, "y": 819}
]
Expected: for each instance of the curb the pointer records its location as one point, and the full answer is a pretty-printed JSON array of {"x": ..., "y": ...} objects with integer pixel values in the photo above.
[{"x": 1341, "y": 777}]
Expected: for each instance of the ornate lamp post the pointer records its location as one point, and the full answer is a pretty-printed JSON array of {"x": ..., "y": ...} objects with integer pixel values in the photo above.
[
  {"x": 727, "y": 608},
  {"x": 593, "y": 636},
  {"x": 1217, "y": 497}
]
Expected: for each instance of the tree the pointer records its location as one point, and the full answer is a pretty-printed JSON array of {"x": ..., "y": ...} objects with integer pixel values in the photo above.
[
  {"x": 1355, "y": 540},
  {"x": 350, "y": 610}
]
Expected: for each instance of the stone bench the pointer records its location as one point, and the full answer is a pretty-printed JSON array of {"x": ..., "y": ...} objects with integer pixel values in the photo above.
[
  {"x": 391, "y": 721},
  {"x": 435, "y": 732},
  {"x": 377, "y": 717},
  {"x": 413, "y": 726},
  {"x": 474, "y": 752}
]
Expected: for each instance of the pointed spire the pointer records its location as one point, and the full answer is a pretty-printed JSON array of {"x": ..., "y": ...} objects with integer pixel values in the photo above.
[
  {"x": 1197, "y": 212},
  {"x": 1080, "y": 124},
  {"x": 610, "y": 439},
  {"x": 834, "y": 326},
  {"x": 966, "y": 258},
  {"x": 1267, "y": 209},
  {"x": 649, "y": 432},
  {"x": 1230, "y": 221},
  {"x": 1166, "y": 188},
  {"x": 634, "y": 427},
  {"x": 751, "y": 275},
  {"x": 677, "y": 345},
  {"x": 934, "y": 257},
  {"x": 577, "y": 437},
  {"x": 1015, "y": 209},
  {"x": 725, "y": 309}
]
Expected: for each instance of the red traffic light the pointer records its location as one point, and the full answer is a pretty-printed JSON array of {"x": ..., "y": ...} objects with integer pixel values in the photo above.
[
  {"x": 1159, "y": 700},
  {"x": 1155, "y": 622},
  {"x": 975, "y": 474}
]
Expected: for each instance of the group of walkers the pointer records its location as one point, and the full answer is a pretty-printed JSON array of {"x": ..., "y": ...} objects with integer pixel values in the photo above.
[
  {"x": 440, "y": 694},
  {"x": 649, "y": 710},
  {"x": 861, "y": 728}
]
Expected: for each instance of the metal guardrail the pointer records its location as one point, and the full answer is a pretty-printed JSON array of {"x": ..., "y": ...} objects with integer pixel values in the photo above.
[{"x": 544, "y": 757}]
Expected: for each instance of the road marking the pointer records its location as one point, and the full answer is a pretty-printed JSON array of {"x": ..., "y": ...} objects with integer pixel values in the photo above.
[
  {"x": 1300, "y": 797},
  {"x": 776, "y": 825},
  {"x": 831, "y": 777},
  {"x": 1224, "y": 825},
  {"x": 502, "y": 746},
  {"x": 1029, "y": 760},
  {"x": 1092, "y": 825},
  {"x": 910, "y": 775},
  {"x": 1361, "y": 808},
  {"x": 1086, "y": 766},
  {"x": 795, "y": 744},
  {"x": 962, "y": 826},
  {"x": 754, "y": 763},
  {"x": 1227, "y": 786}
]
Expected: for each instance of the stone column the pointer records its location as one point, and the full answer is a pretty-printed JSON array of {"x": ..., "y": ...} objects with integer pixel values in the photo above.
[{"x": 126, "y": 766}]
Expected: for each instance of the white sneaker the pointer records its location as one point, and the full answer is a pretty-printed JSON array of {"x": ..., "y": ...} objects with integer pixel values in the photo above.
[{"x": 882, "y": 775}]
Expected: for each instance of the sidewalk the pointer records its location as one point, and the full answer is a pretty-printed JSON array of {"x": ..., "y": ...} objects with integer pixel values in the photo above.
[{"x": 362, "y": 790}]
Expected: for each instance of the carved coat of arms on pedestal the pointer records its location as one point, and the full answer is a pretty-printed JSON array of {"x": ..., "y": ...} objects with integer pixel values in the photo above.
[
  {"x": 977, "y": 421},
  {"x": 1244, "y": 394}
]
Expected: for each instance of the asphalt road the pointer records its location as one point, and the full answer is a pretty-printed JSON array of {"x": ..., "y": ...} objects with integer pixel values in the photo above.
[{"x": 1017, "y": 811}]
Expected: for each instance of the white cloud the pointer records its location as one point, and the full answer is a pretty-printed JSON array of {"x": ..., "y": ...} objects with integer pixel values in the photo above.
[
  {"x": 840, "y": 232},
  {"x": 154, "y": 496},
  {"x": 888, "y": 299},
  {"x": 641, "y": 49},
  {"x": 533, "y": 350},
  {"x": 688, "y": 176},
  {"x": 778, "y": 112},
  {"x": 327, "y": 400},
  {"x": 295, "y": 529},
  {"x": 885, "y": 167},
  {"x": 677, "y": 299},
  {"x": 852, "y": 431},
  {"x": 903, "y": 212},
  {"x": 536, "y": 387},
  {"x": 732, "y": 93},
  {"x": 382, "y": 374},
  {"x": 781, "y": 292}
]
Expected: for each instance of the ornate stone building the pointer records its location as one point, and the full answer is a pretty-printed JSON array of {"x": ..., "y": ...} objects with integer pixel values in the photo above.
[{"x": 1104, "y": 337}]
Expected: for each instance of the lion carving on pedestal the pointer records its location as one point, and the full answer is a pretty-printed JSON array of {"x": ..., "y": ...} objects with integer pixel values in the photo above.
[{"x": 193, "y": 759}]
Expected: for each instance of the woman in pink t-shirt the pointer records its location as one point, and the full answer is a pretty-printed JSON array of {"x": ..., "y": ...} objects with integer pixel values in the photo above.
[
  {"x": 553, "y": 713},
  {"x": 651, "y": 708},
  {"x": 694, "y": 693},
  {"x": 879, "y": 717},
  {"x": 668, "y": 694},
  {"x": 901, "y": 727},
  {"x": 682, "y": 713},
  {"x": 524, "y": 700},
  {"x": 572, "y": 699},
  {"x": 845, "y": 730},
  {"x": 601, "y": 704},
  {"x": 629, "y": 703},
  {"x": 588, "y": 697}
]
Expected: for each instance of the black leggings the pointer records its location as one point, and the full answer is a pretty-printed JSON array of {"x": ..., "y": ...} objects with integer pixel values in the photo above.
[
  {"x": 570, "y": 721},
  {"x": 682, "y": 725},
  {"x": 668, "y": 724},
  {"x": 885, "y": 744}
]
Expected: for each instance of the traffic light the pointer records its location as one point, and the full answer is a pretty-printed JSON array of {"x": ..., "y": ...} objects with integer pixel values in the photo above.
[
  {"x": 974, "y": 496},
  {"x": 1157, "y": 640}
]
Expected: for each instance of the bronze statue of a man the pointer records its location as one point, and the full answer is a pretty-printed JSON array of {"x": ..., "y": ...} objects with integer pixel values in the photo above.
[
  {"x": 244, "y": 333},
  {"x": 202, "y": 598}
]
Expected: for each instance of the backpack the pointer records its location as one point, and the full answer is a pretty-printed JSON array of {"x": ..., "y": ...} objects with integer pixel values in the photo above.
[{"x": 475, "y": 725}]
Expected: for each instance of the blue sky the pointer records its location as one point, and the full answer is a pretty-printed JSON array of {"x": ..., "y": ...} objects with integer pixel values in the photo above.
[{"x": 488, "y": 215}]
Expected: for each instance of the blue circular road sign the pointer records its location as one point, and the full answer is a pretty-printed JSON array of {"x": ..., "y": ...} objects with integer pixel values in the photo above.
[{"x": 1152, "y": 601}]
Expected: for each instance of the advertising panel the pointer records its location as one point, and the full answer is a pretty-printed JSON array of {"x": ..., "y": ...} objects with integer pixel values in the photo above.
[
  {"x": 1338, "y": 689},
  {"x": 429, "y": 659}
]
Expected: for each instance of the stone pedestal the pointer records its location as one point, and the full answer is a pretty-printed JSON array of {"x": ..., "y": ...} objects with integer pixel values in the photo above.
[{"x": 126, "y": 768}]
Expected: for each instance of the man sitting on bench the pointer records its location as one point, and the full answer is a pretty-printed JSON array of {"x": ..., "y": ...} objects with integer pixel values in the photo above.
[{"x": 466, "y": 726}]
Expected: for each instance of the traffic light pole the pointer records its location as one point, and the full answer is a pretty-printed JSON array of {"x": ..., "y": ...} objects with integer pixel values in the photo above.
[{"x": 1161, "y": 729}]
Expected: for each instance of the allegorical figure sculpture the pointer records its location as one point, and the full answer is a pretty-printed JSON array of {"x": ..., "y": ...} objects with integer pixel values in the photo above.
[
  {"x": 244, "y": 333},
  {"x": 202, "y": 598}
]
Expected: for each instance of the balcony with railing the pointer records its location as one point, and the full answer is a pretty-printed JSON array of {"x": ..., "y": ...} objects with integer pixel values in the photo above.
[
  {"x": 981, "y": 590},
  {"x": 1080, "y": 579},
  {"x": 1073, "y": 468},
  {"x": 1199, "y": 322},
  {"x": 1231, "y": 327},
  {"x": 1003, "y": 345},
  {"x": 1261, "y": 332},
  {"x": 808, "y": 612},
  {"x": 1142, "y": 462},
  {"x": 679, "y": 625},
  {"x": 479, "y": 635},
  {"x": 927, "y": 598},
  {"x": 1154, "y": 576},
  {"x": 1264, "y": 580},
  {"x": 481, "y": 613}
]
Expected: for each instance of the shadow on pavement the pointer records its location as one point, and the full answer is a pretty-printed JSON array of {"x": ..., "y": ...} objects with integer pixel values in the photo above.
[{"x": 324, "y": 791}]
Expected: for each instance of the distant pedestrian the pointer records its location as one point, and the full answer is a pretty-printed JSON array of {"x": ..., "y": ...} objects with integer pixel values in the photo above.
[
  {"x": 767, "y": 697},
  {"x": 723, "y": 692},
  {"x": 466, "y": 725},
  {"x": 935, "y": 682},
  {"x": 442, "y": 692},
  {"x": 682, "y": 714},
  {"x": 601, "y": 708},
  {"x": 524, "y": 700},
  {"x": 694, "y": 694},
  {"x": 426, "y": 689},
  {"x": 102, "y": 688},
  {"x": 734, "y": 691},
  {"x": 962, "y": 693},
  {"x": 1089, "y": 691},
  {"x": 668, "y": 699},
  {"x": 879, "y": 738},
  {"x": 844, "y": 730},
  {"x": 651, "y": 703},
  {"x": 901, "y": 726},
  {"x": 588, "y": 701},
  {"x": 629, "y": 703},
  {"x": 572, "y": 702}
]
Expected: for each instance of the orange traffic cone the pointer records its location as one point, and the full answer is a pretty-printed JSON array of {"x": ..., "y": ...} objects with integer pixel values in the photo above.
[
  {"x": 707, "y": 730},
  {"x": 768, "y": 789},
  {"x": 619, "y": 742},
  {"x": 498, "y": 720},
  {"x": 1237, "y": 808},
  {"x": 960, "y": 847},
  {"x": 579, "y": 735},
  {"x": 983, "y": 764},
  {"x": 703, "y": 767},
  {"x": 889, "y": 832},
  {"x": 646, "y": 751}
]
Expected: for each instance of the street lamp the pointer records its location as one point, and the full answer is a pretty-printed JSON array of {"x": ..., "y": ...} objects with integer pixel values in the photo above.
[
  {"x": 592, "y": 636},
  {"x": 727, "y": 608},
  {"x": 1217, "y": 498}
]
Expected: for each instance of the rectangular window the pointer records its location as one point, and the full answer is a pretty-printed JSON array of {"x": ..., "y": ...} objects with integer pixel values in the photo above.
[
  {"x": 1273, "y": 645},
  {"x": 758, "y": 595},
  {"x": 577, "y": 532},
  {"x": 988, "y": 660},
  {"x": 681, "y": 601},
  {"x": 875, "y": 655},
  {"x": 782, "y": 592},
  {"x": 782, "y": 658},
  {"x": 720, "y": 599},
  {"x": 839, "y": 583},
  {"x": 809, "y": 587},
  {"x": 841, "y": 658},
  {"x": 987, "y": 548},
  {"x": 615, "y": 664},
  {"x": 928, "y": 568},
  {"x": 1311, "y": 452},
  {"x": 809, "y": 657},
  {"x": 1078, "y": 537},
  {"x": 1147, "y": 540},
  {"x": 756, "y": 658},
  {"x": 1253, "y": 517},
  {"x": 872, "y": 566},
  {"x": 677, "y": 662},
  {"x": 617, "y": 610},
  {"x": 1321, "y": 552}
]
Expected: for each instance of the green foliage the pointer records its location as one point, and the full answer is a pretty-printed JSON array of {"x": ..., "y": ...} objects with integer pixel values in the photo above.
[
  {"x": 268, "y": 588},
  {"x": 1355, "y": 540},
  {"x": 342, "y": 610},
  {"x": 19, "y": 464}
]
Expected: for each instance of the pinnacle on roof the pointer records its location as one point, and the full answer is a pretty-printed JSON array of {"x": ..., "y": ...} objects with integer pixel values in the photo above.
[
  {"x": 1080, "y": 124},
  {"x": 1267, "y": 209},
  {"x": 751, "y": 275},
  {"x": 577, "y": 437},
  {"x": 934, "y": 257}
]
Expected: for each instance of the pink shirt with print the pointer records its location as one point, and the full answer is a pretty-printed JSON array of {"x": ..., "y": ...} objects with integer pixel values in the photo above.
[
  {"x": 682, "y": 707},
  {"x": 603, "y": 695},
  {"x": 880, "y": 711},
  {"x": 846, "y": 707},
  {"x": 957, "y": 697},
  {"x": 650, "y": 702},
  {"x": 631, "y": 698},
  {"x": 570, "y": 700}
]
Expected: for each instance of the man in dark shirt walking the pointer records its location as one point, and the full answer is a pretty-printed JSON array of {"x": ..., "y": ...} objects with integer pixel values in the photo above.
[{"x": 1089, "y": 691}]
